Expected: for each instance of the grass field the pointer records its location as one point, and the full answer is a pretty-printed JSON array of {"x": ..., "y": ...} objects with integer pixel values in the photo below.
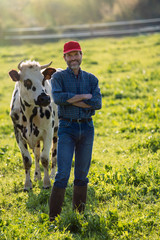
[{"x": 124, "y": 189}]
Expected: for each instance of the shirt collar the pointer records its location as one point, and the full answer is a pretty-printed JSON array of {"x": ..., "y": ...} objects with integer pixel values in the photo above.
[{"x": 71, "y": 71}]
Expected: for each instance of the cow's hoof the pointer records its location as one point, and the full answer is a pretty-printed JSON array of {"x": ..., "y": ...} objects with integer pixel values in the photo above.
[
  {"x": 46, "y": 183},
  {"x": 47, "y": 187},
  {"x": 28, "y": 185},
  {"x": 27, "y": 189}
]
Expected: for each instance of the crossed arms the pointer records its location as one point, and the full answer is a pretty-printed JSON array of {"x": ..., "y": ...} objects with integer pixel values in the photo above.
[
  {"x": 91, "y": 100},
  {"x": 77, "y": 100}
]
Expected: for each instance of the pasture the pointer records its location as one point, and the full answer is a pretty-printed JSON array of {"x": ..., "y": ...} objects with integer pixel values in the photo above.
[{"x": 124, "y": 189}]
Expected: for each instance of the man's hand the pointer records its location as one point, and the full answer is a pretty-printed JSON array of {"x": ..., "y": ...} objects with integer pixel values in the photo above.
[{"x": 87, "y": 96}]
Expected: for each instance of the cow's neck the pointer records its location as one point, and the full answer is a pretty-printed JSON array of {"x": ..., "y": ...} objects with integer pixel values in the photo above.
[
  {"x": 29, "y": 112},
  {"x": 27, "y": 109}
]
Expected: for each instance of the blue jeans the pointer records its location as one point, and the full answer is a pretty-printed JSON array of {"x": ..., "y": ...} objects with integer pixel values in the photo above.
[{"x": 73, "y": 138}]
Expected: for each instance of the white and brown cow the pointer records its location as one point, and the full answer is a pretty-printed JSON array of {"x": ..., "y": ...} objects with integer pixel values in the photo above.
[{"x": 34, "y": 117}]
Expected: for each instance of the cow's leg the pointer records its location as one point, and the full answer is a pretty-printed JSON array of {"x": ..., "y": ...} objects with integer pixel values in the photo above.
[
  {"x": 37, "y": 173},
  {"x": 27, "y": 162},
  {"x": 45, "y": 161},
  {"x": 54, "y": 154}
]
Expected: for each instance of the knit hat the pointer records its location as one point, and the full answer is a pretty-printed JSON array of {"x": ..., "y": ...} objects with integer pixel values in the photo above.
[{"x": 71, "y": 46}]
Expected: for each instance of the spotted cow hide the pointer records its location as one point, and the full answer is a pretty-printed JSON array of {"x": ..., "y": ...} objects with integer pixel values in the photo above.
[{"x": 34, "y": 117}]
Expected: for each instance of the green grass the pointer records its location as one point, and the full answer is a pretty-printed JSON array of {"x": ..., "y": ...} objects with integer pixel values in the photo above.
[{"x": 124, "y": 189}]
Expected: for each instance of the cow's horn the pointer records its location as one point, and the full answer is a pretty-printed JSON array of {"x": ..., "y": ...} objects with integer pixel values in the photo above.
[
  {"x": 46, "y": 65},
  {"x": 19, "y": 65}
]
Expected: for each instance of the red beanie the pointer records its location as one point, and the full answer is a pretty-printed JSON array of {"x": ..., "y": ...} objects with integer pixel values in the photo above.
[{"x": 71, "y": 46}]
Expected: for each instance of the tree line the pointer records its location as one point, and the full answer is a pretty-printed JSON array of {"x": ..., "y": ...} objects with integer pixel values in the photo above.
[{"x": 51, "y": 13}]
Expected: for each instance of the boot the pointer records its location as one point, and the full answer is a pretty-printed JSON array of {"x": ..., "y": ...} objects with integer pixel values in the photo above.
[
  {"x": 79, "y": 198},
  {"x": 56, "y": 202}
]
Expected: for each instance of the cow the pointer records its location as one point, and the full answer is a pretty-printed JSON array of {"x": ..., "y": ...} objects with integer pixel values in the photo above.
[{"x": 34, "y": 117}]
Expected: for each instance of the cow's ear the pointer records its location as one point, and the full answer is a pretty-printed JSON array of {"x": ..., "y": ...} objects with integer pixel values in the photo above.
[
  {"x": 48, "y": 73},
  {"x": 14, "y": 75}
]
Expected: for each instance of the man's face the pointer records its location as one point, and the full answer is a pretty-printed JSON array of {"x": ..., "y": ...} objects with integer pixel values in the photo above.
[{"x": 73, "y": 59}]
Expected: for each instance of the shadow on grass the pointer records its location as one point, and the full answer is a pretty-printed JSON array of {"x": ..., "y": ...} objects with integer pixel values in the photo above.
[{"x": 83, "y": 226}]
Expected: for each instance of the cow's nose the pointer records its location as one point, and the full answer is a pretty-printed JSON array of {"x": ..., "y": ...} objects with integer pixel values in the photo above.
[{"x": 43, "y": 100}]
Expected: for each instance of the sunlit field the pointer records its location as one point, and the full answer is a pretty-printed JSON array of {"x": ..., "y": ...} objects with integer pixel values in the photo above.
[{"x": 124, "y": 189}]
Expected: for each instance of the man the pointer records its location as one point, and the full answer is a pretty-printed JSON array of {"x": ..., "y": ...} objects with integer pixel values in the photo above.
[{"x": 77, "y": 95}]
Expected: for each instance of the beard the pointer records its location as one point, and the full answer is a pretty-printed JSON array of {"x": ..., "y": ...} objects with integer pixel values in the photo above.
[{"x": 74, "y": 64}]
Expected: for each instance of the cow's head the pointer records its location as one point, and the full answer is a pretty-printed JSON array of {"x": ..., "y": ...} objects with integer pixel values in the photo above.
[{"x": 31, "y": 80}]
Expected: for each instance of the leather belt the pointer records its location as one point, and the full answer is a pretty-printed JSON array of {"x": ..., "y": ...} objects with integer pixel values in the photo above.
[{"x": 77, "y": 120}]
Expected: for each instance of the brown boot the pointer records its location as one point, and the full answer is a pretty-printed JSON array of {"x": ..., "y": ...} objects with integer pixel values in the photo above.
[
  {"x": 79, "y": 198},
  {"x": 56, "y": 202}
]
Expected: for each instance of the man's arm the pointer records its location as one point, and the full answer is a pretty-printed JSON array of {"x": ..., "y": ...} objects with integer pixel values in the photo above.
[
  {"x": 78, "y": 98},
  {"x": 81, "y": 104},
  {"x": 59, "y": 97},
  {"x": 96, "y": 101}
]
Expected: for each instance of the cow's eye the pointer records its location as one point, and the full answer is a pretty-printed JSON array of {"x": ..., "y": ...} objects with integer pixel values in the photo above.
[{"x": 28, "y": 83}]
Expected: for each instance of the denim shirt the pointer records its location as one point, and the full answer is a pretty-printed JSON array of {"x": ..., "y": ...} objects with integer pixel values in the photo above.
[{"x": 65, "y": 85}]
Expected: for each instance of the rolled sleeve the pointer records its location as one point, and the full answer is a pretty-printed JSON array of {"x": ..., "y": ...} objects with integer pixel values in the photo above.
[{"x": 96, "y": 101}]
